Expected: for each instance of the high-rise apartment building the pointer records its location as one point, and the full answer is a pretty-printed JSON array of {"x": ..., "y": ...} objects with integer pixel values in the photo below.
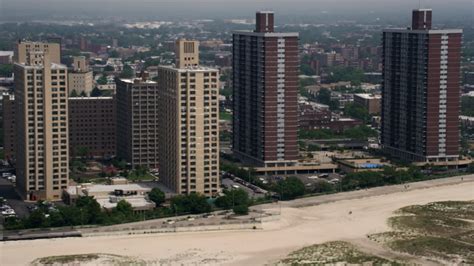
[
  {"x": 92, "y": 126},
  {"x": 421, "y": 91},
  {"x": 265, "y": 82},
  {"x": 80, "y": 79},
  {"x": 9, "y": 128},
  {"x": 42, "y": 155},
  {"x": 137, "y": 121},
  {"x": 26, "y": 51},
  {"x": 189, "y": 119}
]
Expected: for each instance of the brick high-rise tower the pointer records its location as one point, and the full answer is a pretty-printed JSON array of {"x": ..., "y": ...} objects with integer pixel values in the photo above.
[
  {"x": 265, "y": 79},
  {"x": 421, "y": 91}
]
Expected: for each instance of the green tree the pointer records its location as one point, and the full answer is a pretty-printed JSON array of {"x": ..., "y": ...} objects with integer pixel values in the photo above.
[
  {"x": 357, "y": 111},
  {"x": 72, "y": 215},
  {"x": 470, "y": 168},
  {"x": 102, "y": 80},
  {"x": 157, "y": 196},
  {"x": 241, "y": 209},
  {"x": 109, "y": 68},
  {"x": 124, "y": 208},
  {"x": 82, "y": 151},
  {"x": 354, "y": 75},
  {"x": 74, "y": 93},
  {"x": 83, "y": 94},
  {"x": 467, "y": 106},
  {"x": 323, "y": 187},
  {"x": 324, "y": 96},
  {"x": 232, "y": 198},
  {"x": 96, "y": 92},
  {"x": 290, "y": 188},
  {"x": 90, "y": 209},
  {"x": 127, "y": 72},
  {"x": 193, "y": 203},
  {"x": 6, "y": 70},
  {"x": 36, "y": 219}
]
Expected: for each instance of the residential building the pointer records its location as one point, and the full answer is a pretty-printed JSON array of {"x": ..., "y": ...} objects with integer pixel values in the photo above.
[
  {"x": 137, "y": 121},
  {"x": 312, "y": 117},
  {"x": 189, "y": 119},
  {"x": 25, "y": 49},
  {"x": 421, "y": 91},
  {"x": 9, "y": 127},
  {"x": 371, "y": 102},
  {"x": 80, "y": 78},
  {"x": 92, "y": 126},
  {"x": 265, "y": 85},
  {"x": 6, "y": 57},
  {"x": 42, "y": 152}
]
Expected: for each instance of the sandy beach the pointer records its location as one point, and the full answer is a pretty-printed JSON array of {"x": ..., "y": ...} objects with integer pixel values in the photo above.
[{"x": 297, "y": 227}]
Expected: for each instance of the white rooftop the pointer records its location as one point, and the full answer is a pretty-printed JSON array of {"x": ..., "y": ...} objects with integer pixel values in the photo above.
[
  {"x": 136, "y": 202},
  {"x": 4, "y": 53},
  {"x": 368, "y": 96},
  {"x": 92, "y": 98},
  {"x": 131, "y": 81}
]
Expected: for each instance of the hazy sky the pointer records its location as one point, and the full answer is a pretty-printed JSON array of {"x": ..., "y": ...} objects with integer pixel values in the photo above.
[{"x": 169, "y": 9}]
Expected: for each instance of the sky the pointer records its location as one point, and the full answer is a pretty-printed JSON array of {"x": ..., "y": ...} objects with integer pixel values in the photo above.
[{"x": 176, "y": 9}]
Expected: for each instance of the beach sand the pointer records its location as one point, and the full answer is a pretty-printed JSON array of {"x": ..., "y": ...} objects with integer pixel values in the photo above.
[{"x": 297, "y": 228}]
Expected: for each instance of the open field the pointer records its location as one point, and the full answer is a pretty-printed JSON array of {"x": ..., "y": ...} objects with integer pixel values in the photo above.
[{"x": 348, "y": 217}]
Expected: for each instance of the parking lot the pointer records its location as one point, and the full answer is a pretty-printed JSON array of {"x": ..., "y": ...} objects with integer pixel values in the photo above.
[
  {"x": 232, "y": 184},
  {"x": 7, "y": 191}
]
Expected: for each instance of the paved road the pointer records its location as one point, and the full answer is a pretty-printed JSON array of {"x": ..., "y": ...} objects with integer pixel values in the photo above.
[{"x": 377, "y": 191}]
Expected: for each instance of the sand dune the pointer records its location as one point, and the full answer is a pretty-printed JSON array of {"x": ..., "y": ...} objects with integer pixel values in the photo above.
[{"x": 298, "y": 227}]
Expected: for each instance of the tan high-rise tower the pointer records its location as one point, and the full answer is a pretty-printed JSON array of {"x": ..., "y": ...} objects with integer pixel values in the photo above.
[
  {"x": 81, "y": 78},
  {"x": 42, "y": 122},
  {"x": 189, "y": 119},
  {"x": 27, "y": 51},
  {"x": 187, "y": 53}
]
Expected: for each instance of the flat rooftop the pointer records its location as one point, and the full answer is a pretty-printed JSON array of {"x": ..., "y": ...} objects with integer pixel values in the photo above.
[
  {"x": 132, "y": 81},
  {"x": 368, "y": 96},
  {"x": 92, "y": 98},
  {"x": 266, "y": 34},
  {"x": 102, "y": 188},
  {"x": 136, "y": 202},
  {"x": 190, "y": 69}
]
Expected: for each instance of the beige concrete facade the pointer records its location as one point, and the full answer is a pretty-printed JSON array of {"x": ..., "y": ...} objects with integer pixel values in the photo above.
[
  {"x": 9, "y": 128},
  {"x": 26, "y": 51},
  {"x": 189, "y": 132},
  {"x": 80, "y": 82},
  {"x": 187, "y": 53},
  {"x": 80, "y": 64},
  {"x": 81, "y": 79},
  {"x": 41, "y": 103}
]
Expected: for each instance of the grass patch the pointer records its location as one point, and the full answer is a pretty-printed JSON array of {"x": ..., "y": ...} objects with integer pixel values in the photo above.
[
  {"x": 440, "y": 230},
  {"x": 225, "y": 116},
  {"x": 436, "y": 247},
  {"x": 96, "y": 258},
  {"x": 133, "y": 176},
  {"x": 433, "y": 225},
  {"x": 454, "y": 209},
  {"x": 331, "y": 253}
]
